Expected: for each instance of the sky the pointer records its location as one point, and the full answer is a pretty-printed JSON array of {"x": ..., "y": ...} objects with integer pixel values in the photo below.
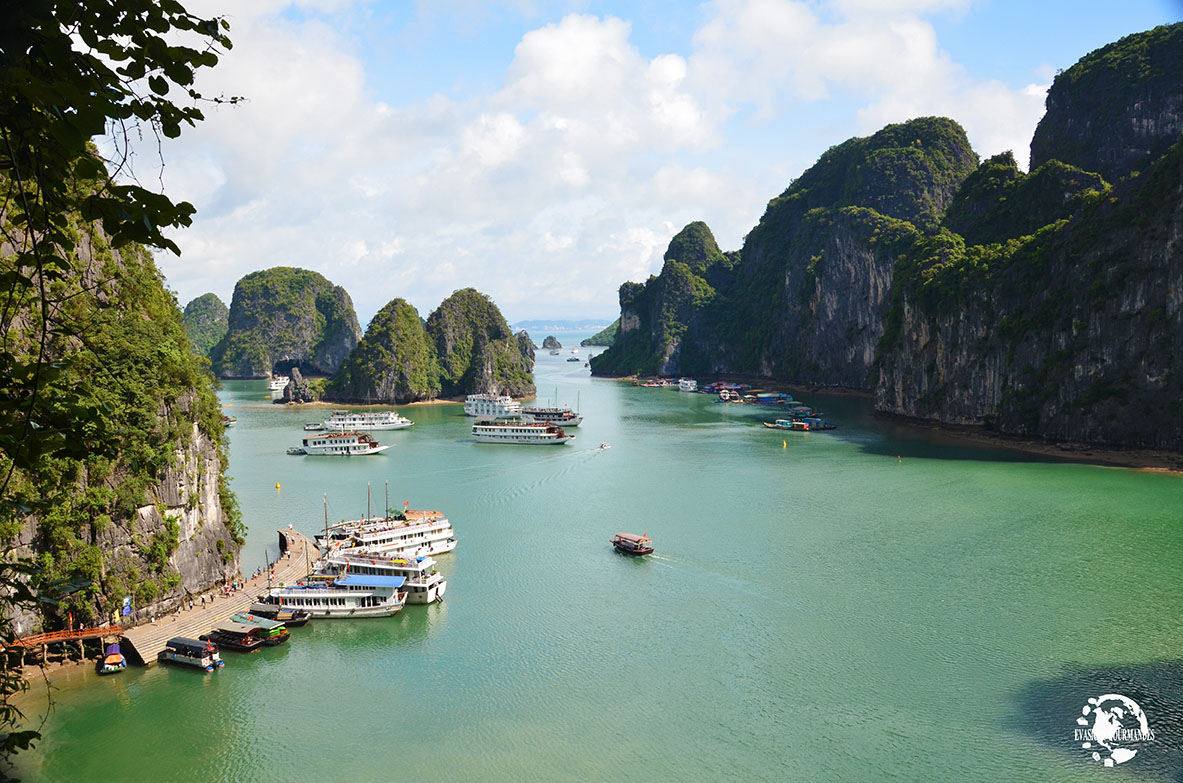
[{"x": 546, "y": 152}]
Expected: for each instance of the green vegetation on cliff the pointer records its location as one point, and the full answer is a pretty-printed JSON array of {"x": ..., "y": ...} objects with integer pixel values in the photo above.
[
  {"x": 1118, "y": 108},
  {"x": 656, "y": 315},
  {"x": 476, "y": 350},
  {"x": 395, "y": 362},
  {"x": 604, "y": 337},
  {"x": 206, "y": 321},
  {"x": 134, "y": 371},
  {"x": 998, "y": 202},
  {"x": 551, "y": 343},
  {"x": 285, "y": 317}
]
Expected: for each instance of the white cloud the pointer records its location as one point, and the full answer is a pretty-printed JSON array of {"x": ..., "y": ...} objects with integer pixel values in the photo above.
[
  {"x": 782, "y": 54},
  {"x": 565, "y": 178}
]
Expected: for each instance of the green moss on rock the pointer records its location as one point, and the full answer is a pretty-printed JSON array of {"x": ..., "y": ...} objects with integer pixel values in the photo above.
[{"x": 206, "y": 321}]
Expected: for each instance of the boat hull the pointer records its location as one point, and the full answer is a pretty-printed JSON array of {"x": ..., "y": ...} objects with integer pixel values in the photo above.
[
  {"x": 367, "y": 427},
  {"x": 648, "y": 550},
  {"x": 481, "y": 438},
  {"x": 375, "y": 450}
]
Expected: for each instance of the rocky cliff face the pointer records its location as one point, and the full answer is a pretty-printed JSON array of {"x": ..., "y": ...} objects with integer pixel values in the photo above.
[
  {"x": 206, "y": 321},
  {"x": 282, "y": 318},
  {"x": 136, "y": 504},
  {"x": 1073, "y": 333},
  {"x": 806, "y": 297},
  {"x": 1043, "y": 304},
  {"x": 298, "y": 390},
  {"x": 551, "y": 343},
  {"x": 476, "y": 350},
  {"x": 1118, "y": 108}
]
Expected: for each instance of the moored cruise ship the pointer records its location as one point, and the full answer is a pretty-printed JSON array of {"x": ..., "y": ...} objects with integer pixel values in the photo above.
[
  {"x": 278, "y": 383},
  {"x": 423, "y": 583},
  {"x": 412, "y": 534},
  {"x": 350, "y": 595},
  {"x": 342, "y": 444},
  {"x": 366, "y": 420},
  {"x": 562, "y": 416},
  {"x": 517, "y": 430},
  {"x": 491, "y": 406}
]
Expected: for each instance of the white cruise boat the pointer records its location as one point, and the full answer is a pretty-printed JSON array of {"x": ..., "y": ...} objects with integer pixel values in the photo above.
[
  {"x": 491, "y": 406},
  {"x": 413, "y": 534},
  {"x": 423, "y": 583},
  {"x": 342, "y": 444},
  {"x": 687, "y": 385},
  {"x": 278, "y": 383},
  {"x": 349, "y": 595},
  {"x": 366, "y": 420},
  {"x": 517, "y": 430},
  {"x": 561, "y": 415}
]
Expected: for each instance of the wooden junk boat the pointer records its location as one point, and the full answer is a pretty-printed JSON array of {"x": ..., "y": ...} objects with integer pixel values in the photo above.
[{"x": 632, "y": 544}]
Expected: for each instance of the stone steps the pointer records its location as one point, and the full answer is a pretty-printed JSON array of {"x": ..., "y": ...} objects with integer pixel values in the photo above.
[{"x": 146, "y": 641}]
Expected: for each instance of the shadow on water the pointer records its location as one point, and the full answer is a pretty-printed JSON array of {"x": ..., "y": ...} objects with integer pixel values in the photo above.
[
  {"x": 859, "y": 425},
  {"x": 1047, "y": 711}
]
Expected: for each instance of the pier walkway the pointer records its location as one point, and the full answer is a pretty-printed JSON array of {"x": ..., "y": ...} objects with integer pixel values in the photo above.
[{"x": 146, "y": 641}]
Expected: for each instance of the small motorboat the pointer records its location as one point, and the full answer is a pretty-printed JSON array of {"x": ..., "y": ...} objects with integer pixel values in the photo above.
[
  {"x": 314, "y": 426},
  {"x": 632, "y": 544},
  {"x": 112, "y": 660},
  {"x": 240, "y": 637},
  {"x": 292, "y": 618},
  {"x": 296, "y": 451}
]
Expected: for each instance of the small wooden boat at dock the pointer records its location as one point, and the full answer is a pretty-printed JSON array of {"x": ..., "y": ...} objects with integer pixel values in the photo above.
[
  {"x": 272, "y": 632},
  {"x": 191, "y": 652},
  {"x": 112, "y": 660},
  {"x": 633, "y": 544},
  {"x": 291, "y": 618},
  {"x": 235, "y": 636}
]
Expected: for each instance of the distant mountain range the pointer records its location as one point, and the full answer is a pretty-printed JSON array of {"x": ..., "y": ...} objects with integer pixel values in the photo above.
[{"x": 582, "y": 325}]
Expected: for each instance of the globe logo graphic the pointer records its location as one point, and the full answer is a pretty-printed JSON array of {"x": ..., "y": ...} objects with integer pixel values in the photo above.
[{"x": 1113, "y": 726}]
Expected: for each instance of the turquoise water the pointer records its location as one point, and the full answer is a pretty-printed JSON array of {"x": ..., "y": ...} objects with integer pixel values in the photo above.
[{"x": 860, "y": 605}]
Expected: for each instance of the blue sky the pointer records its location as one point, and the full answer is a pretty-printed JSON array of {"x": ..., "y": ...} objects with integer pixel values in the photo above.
[{"x": 545, "y": 152}]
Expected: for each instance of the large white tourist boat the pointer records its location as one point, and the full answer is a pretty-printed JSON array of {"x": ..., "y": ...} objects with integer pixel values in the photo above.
[
  {"x": 348, "y": 595},
  {"x": 412, "y": 534},
  {"x": 687, "y": 385},
  {"x": 366, "y": 420},
  {"x": 491, "y": 406},
  {"x": 342, "y": 444},
  {"x": 517, "y": 430},
  {"x": 278, "y": 383},
  {"x": 423, "y": 583}
]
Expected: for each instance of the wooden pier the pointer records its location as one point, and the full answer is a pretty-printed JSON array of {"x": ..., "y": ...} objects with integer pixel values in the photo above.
[{"x": 144, "y": 642}]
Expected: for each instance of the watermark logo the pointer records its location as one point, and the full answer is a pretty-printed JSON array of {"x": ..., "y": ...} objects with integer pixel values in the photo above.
[{"x": 1112, "y": 727}]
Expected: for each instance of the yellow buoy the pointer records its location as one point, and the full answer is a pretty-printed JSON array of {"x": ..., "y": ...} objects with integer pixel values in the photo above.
[
  {"x": 277, "y": 485},
  {"x": 784, "y": 444}
]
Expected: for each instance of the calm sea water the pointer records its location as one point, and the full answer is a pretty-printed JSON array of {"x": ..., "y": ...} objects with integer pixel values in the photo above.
[{"x": 861, "y": 605}]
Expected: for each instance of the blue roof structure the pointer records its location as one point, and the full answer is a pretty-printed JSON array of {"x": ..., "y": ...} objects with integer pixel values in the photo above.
[{"x": 370, "y": 580}]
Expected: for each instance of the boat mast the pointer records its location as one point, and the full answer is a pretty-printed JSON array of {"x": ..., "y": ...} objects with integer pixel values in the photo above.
[
  {"x": 386, "y": 513},
  {"x": 367, "y": 501},
  {"x": 326, "y": 497}
]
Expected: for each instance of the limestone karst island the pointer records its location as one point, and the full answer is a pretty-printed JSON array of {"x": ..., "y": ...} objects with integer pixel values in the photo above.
[{"x": 854, "y": 331}]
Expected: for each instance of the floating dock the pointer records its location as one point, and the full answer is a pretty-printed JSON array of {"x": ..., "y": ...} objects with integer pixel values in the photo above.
[{"x": 144, "y": 642}]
